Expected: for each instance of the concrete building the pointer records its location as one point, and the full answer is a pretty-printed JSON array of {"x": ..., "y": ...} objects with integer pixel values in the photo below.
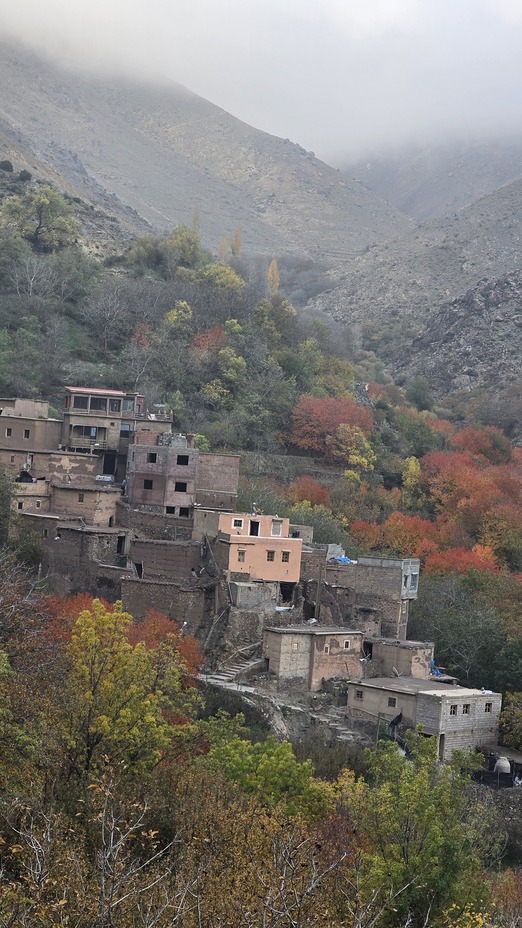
[
  {"x": 306, "y": 656},
  {"x": 251, "y": 547},
  {"x": 460, "y": 718}
]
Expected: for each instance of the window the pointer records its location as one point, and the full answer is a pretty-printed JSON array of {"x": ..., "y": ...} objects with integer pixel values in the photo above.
[
  {"x": 147, "y": 484},
  {"x": 182, "y": 460},
  {"x": 392, "y": 702},
  {"x": 152, "y": 457},
  {"x": 20, "y": 505},
  {"x": 114, "y": 405},
  {"x": 80, "y": 402},
  {"x": 45, "y": 533},
  {"x": 358, "y": 694},
  {"x": 465, "y": 708},
  {"x": 8, "y": 433},
  {"x": 488, "y": 707},
  {"x": 124, "y": 430},
  {"x": 184, "y": 512},
  {"x": 276, "y": 527},
  {"x": 12, "y": 459},
  {"x": 170, "y": 510},
  {"x": 99, "y": 403},
  {"x": 285, "y": 557},
  {"x": 453, "y": 710},
  {"x": 414, "y": 581},
  {"x": 237, "y": 523},
  {"x": 180, "y": 487},
  {"x": 346, "y": 644},
  {"x": 270, "y": 555},
  {"x": 80, "y": 497},
  {"x": 38, "y": 504},
  {"x": 295, "y": 646},
  {"x": 27, "y": 433},
  {"x": 241, "y": 557},
  {"x": 327, "y": 649}
]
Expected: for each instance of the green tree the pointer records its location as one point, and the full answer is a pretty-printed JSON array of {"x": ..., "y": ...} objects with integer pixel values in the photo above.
[
  {"x": 424, "y": 841},
  {"x": 271, "y": 772},
  {"x": 42, "y": 216},
  {"x": 118, "y": 697},
  {"x": 511, "y": 721}
]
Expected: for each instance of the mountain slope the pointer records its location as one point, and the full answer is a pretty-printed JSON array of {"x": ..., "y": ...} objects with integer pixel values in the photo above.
[
  {"x": 167, "y": 153},
  {"x": 431, "y": 182}
]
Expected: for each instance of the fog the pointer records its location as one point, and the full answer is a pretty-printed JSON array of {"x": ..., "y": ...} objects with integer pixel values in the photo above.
[{"x": 341, "y": 77}]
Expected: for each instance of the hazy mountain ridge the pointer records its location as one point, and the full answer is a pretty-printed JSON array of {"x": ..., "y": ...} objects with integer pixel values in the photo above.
[
  {"x": 431, "y": 182},
  {"x": 166, "y": 153},
  {"x": 407, "y": 279}
]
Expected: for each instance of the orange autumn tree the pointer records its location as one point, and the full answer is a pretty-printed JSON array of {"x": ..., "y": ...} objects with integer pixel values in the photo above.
[
  {"x": 156, "y": 629},
  {"x": 306, "y": 488},
  {"x": 314, "y": 419}
]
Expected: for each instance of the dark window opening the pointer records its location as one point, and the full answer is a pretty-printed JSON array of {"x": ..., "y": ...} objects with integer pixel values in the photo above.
[
  {"x": 358, "y": 694},
  {"x": 170, "y": 510},
  {"x": 180, "y": 487},
  {"x": 139, "y": 569},
  {"x": 392, "y": 702},
  {"x": 184, "y": 512},
  {"x": 80, "y": 497},
  {"x": 182, "y": 459},
  {"x": 111, "y": 521},
  {"x": 270, "y": 555},
  {"x": 20, "y": 505},
  {"x": 254, "y": 527},
  {"x": 8, "y": 433},
  {"x": 27, "y": 433},
  {"x": 120, "y": 546},
  {"x": 152, "y": 457},
  {"x": 45, "y": 533},
  {"x": 114, "y": 405},
  {"x": 287, "y": 592},
  {"x": 81, "y": 402},
  {"x": 147, "y": 484},
  {"x": 488, "y": 707},
  {"x": 99, "y": 403},
  {"x": 285, "y": 557}
]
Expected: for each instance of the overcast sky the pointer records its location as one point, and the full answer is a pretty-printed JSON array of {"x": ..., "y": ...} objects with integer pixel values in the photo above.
[{"x": 341, "y": 77}]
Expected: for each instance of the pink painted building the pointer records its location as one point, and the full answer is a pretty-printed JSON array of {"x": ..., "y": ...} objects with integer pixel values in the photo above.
[{"x": 257, "y": 547}]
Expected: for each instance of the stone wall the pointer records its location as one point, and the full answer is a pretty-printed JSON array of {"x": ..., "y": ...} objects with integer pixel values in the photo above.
[
  {"x": 190, "y": 606},
  {"x": 168, "y": 559}
]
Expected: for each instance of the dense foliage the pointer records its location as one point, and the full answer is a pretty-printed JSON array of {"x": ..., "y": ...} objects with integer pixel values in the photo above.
[{"x": 121, "y": 806}]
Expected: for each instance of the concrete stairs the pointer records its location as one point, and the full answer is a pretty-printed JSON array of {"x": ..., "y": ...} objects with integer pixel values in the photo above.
[
  {"x": 230, "y": 674},
  {"x": 337, "y": 721}
]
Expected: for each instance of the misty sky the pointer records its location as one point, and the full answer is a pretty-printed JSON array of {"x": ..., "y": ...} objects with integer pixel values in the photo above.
[{"x": 341, "y": 77}]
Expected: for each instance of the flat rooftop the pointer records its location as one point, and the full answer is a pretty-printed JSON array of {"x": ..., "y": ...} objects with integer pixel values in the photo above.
[
  {"x": 313, "y": 630},
  {"x": 412, "y": 685}
]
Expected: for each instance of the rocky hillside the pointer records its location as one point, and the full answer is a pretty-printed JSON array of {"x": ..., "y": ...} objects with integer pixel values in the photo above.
[
  {"x": 431, "y": 182},
  {"x": 169, "y": 154},
  {"x": 478, "y": 340}
]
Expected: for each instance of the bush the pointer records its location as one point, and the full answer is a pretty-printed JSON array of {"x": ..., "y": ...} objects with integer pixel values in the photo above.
[
  {"x": 6, "y": 166},
  {"x": 25, "y": 176}
]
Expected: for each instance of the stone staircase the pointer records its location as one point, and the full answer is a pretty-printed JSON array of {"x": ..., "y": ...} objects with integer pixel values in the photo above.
[
  {"x": 337, "y": 721},
  {"x": 230, "y": 674}
]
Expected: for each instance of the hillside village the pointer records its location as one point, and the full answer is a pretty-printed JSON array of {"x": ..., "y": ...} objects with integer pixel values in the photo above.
[{"x": 126, "y": 509}]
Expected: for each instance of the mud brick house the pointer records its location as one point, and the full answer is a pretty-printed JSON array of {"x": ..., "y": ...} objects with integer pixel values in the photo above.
[
  {"x": 305, "y": 656},
  {"x": 371, "y": 593},
  {"x": 458, "y": 717},
  {"x": 104, "y": 422},
  {"x": 169, "y": 476}
]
